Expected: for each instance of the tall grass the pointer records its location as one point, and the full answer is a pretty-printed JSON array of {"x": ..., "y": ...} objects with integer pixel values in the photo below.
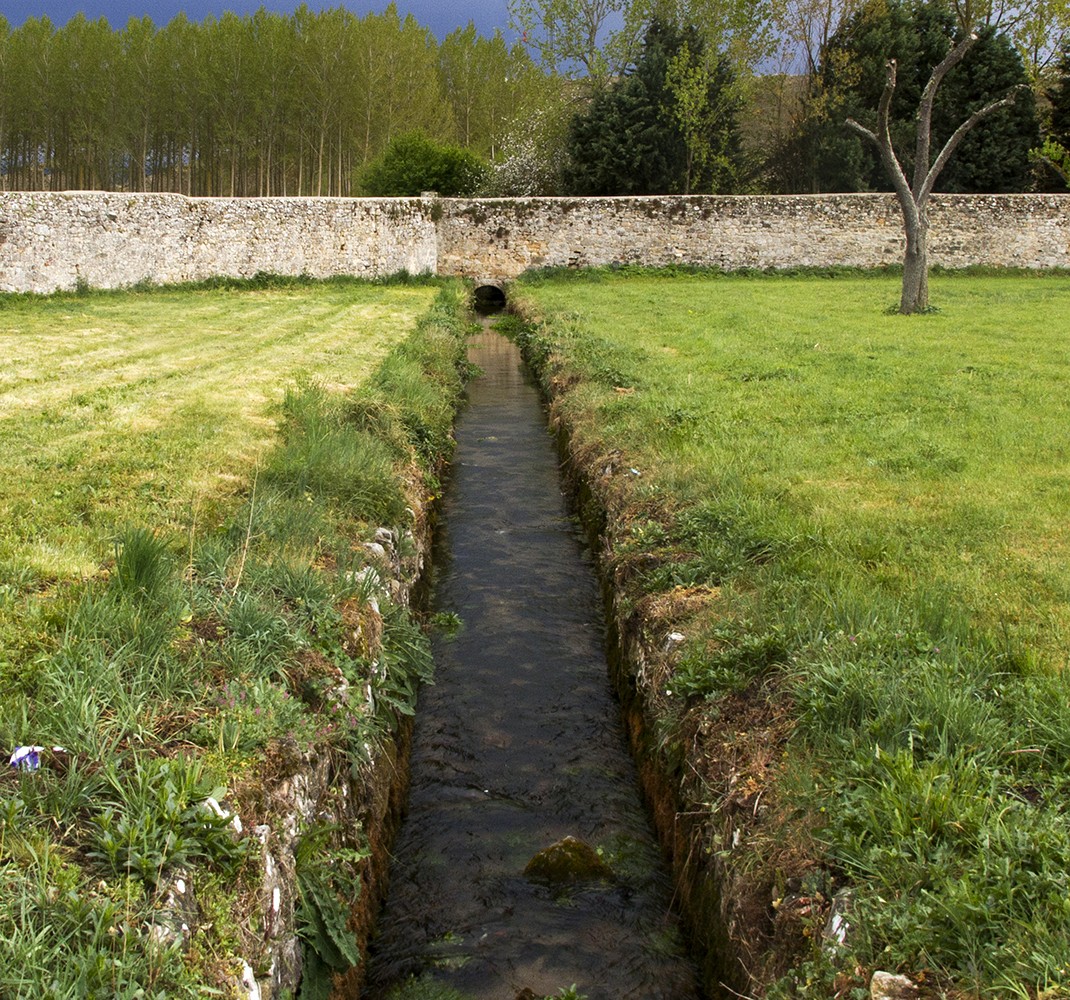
[
  {"x": 880, "y": 503},
  {"x": 191, "y": 649}
]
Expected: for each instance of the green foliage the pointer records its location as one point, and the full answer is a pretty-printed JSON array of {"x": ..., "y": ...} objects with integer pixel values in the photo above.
[
  {"x": 1054, "y": 157},
  {"x": 329, "y": 882},
  {"x": 414, "y": 163},
  {"x": 669, "y": 126},
  {"x": 405, "y": 664},
  {"x": 67, "y": 938},
  {"x": 267, "y": 104},
  {"x": 424, "y": 988},
  {"x": 1059, "y": 95},
  {"x": 322, "y": 455},
  {"x": 1054, "y": 153},
  {"x": 820, "y": 474},
  {"x": 491, "y": 88},
  {"x": 825, "y": 156},
  {"x": 156, "y": 819},
  {"x": 143, "y": 567},
  {"x": 726, "y": 660},
  {"x": 246, "y": 715},
  {"x": 568, "y": 35}
]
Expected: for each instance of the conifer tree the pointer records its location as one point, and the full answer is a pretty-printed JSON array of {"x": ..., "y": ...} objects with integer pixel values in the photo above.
[{"x": 655, "y": 131}]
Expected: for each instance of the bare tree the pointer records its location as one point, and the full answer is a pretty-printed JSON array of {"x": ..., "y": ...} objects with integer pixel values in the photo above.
[{"x": 914, "y": 198}]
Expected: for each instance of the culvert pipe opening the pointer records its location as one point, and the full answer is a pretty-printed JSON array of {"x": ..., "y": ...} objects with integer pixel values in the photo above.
[{"x": 488, "y": 299}]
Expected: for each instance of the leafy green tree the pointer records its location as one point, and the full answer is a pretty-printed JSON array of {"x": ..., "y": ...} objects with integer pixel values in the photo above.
[
  {"x": 489, "y": 86},
  {"x": 263, "y": 105},
  {"x": 396, "y": 84},
  {"x": 702, "y": 104},
  {"x": 136, "y": 97},
  {"x": 274, "y": 38},
  {"x": 1038, "y": 28},
  {"x": 5, "y": 103},
  {"x": 743, "y": 30},
  {"x": 994, "y": 157},
  {"x": 1053, "y": 157},
  {"x": 573, "y": 36},
  {"x": 414, "y": 163},
  {"x": 1059, "y": 95},
  {"x": 667, "y": 127}
]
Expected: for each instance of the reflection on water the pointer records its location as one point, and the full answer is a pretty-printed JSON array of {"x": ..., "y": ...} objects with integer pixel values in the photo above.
[{"x": 519, "y": 744}]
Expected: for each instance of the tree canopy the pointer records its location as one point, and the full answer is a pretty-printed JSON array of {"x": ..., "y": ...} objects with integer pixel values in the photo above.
[
  {"x": 669, "y": 126},
  {"x": 274, "y": 104},
  {"x": 851, "y": 79},
  {"x": 413, "y": 163},
  {"x": 1059, "y": 95},
  {"x": 264, "y": 105}
]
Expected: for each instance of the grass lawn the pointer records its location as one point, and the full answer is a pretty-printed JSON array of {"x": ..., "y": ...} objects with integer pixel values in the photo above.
[
  {"x": 186, "y": 606},
  {"x": 118, "y": 409},
  {"x": 877, "y": 507}
]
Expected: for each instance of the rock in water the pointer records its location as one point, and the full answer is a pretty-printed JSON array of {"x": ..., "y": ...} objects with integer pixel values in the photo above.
[{"x": 569, "y": 860}]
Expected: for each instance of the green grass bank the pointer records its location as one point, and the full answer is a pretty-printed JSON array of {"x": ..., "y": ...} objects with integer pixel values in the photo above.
[
  {"x": 215, "y": 505},
  {"x": 836, "y": 540}
]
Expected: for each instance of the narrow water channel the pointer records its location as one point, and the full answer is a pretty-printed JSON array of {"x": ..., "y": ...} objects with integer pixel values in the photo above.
[{"x": 519, "y": 744}]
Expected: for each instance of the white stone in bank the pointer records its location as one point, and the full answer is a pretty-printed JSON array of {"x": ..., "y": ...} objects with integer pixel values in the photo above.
[{"x": 888, "y": 986}]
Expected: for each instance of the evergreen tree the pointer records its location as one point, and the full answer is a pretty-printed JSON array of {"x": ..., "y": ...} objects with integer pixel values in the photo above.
[
  {"x": 1059, "y": 95},
  {"x": 993, "y": 158},
  {"x": 655, "y": 132}
]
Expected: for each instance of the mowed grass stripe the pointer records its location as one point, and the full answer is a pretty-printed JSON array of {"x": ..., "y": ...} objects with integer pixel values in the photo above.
[{"x": 140, "y": 408}]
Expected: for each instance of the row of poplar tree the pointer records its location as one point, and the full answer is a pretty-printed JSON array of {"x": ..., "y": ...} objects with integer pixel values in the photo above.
[
  {"x": 329, "y": 103},
  {"x": 264, "y": 105}
]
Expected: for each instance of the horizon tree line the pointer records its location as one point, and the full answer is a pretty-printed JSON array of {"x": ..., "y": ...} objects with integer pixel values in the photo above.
[
  {"x": 310, "y": 103},
  {"x": 269, "y": 104}
]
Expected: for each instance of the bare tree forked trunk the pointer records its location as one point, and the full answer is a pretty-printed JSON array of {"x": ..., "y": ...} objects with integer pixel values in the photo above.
[{"x": 914, "y": 199}]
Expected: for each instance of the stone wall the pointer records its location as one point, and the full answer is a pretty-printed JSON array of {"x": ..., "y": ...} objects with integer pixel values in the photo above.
[
  {"x": 505, "y": 237},
  {"x": 51, "y": 241}
]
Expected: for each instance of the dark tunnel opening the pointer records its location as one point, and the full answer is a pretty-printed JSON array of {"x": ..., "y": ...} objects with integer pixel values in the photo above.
[{"x": 488, "y": 299}]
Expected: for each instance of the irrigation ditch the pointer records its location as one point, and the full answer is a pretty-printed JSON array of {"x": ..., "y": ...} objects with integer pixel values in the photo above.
[
  {"x": 542, "y": 731},
  {"x": 516, "y": 750},
  {"x": 525, "y": 863},
  {"x": 465, "y": 915},
  {"x": 725, "y": 912}
]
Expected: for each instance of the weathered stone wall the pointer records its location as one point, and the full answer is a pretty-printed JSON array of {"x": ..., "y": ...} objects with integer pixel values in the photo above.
[
  {"x": 50, "y": 241},
  {"x": 505, "y": 237}
]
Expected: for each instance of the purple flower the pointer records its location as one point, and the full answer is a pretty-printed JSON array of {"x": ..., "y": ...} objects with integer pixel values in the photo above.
[{"x": 26, "y": 758}]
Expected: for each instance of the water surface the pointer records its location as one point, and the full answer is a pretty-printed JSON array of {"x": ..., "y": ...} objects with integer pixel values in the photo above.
[{"x": 519, "y": 744}]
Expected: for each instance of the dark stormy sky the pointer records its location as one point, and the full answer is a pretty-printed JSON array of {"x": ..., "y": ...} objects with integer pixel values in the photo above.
[{"x": 442, "y": 16}]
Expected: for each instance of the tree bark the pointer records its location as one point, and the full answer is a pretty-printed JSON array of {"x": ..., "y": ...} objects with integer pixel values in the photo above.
[
  {"x": 914, "y": 199},
  {"x": 915, "y": 295}
]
